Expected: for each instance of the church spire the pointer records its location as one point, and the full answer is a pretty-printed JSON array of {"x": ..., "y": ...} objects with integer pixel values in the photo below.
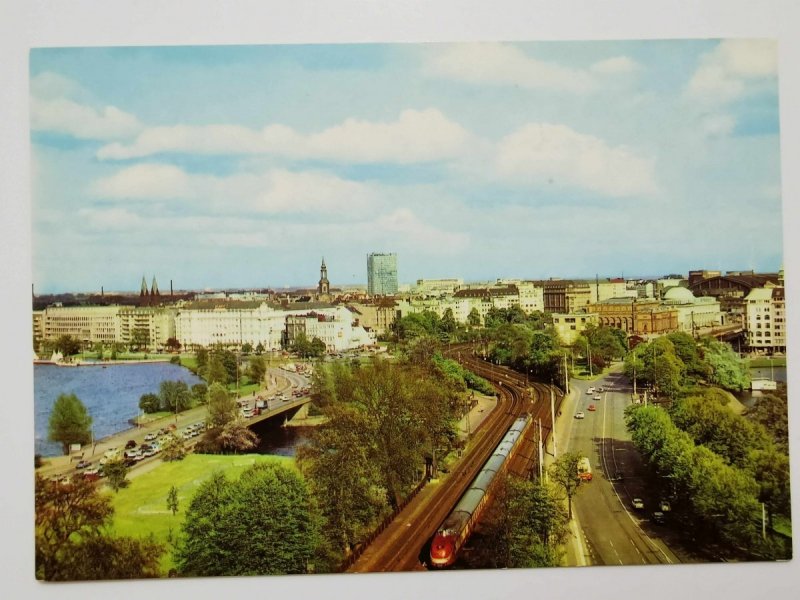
[
  {"x": 324, "y": 284},
  {"x": 143, "y": 291}
]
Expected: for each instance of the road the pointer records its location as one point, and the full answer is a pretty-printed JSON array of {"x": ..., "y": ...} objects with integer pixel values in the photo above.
[
  {"x": 57, "y": 466},
  {"x": 614, "y": 533}
]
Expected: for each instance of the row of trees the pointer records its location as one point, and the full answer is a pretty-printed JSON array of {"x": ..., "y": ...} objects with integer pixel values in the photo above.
[
  {"x": 222, "y": 366},
  {"x": 718, "y": 465},
  {"x": 386, "y": 422},
  {"x": 675, "y": 362},
  {"x": 174, "y": 396}
]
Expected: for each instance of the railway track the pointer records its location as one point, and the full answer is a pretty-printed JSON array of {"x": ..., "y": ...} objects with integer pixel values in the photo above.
[{"x": 398, "y": 547}]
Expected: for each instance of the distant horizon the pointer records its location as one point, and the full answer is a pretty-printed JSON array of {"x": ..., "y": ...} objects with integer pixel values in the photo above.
[{"x": 334, "y": 285}]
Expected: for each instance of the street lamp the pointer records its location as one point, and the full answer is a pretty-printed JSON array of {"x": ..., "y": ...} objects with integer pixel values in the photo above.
[{"x": 589, "y": 356}]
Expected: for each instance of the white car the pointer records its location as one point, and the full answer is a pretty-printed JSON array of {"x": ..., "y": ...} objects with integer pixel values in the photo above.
[
  {"x": 638, "y": 503},
  {"x": 579, "y": 415},
  {"x": 150, "y": 436},
  {"x": 590, "y": 390},
  {"x": 598, "y": 397}
]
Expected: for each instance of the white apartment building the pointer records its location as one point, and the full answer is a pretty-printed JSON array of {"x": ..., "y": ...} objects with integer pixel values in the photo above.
[
  {"x": 85, "y": 323},
  {"x": 765, "y": 319},
  {"x": 608, "y": 288},
  {"x": 334, "y": 327},
  {"x": 159, "y": 323}
]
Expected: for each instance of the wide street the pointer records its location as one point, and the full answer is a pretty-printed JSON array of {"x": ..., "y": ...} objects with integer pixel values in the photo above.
[{"x": 612, "y": 532}]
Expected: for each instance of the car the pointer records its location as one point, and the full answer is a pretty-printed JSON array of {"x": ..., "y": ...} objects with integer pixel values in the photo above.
[
  {"x": 590, "y": 390},
  {"x": 83, "y": 464},
  {"x": 601, "y": 389},
  {"x": 130, "y": 444},
  {"x": 664, "y": 506},
  {"x": 579, "y": 415},
  {"x": 132, "y": 453},
  {"x": 150, "y": 436},
  {"x": 659, "y": 517},
  {"x": 591, "y": 408},
  {"x": 637, "y": 503},
  {"x": 91, "y": 474},
  {"x": 598, "y": 397}
]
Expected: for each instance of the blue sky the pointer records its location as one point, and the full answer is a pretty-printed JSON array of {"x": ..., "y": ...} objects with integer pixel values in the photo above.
[{"x": 242, "y": 166}]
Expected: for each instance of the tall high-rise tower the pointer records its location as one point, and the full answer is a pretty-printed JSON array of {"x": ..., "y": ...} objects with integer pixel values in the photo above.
[
  {"x": 381, "y": 274},
  {"x": 324, "y": 287}
]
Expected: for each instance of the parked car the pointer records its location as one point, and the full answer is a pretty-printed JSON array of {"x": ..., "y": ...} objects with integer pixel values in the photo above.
[
  {"x": 130, "y": 444},
  {"x": 150, "y": 436},
  {"x": 638, "y": 504}
]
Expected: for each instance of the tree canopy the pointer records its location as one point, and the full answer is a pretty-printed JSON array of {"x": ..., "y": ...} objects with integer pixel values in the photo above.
[
  {"x": 72, "y": 539},
  {"x": 264, "y": 523},
  {"x": 70, "y": 422}
]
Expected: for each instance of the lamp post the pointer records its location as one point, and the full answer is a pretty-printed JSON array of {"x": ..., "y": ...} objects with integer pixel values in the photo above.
[{"x": 589, "y": 357}]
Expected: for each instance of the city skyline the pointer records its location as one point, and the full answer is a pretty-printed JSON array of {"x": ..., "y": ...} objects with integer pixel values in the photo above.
[{"x": 482, "y": 161}]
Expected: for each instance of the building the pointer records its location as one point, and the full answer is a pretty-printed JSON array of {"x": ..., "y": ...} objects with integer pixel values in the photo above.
[
  {"x": 765, "y": 319},
  {"x": 565, "y": 296},
  {"x": 636, "y": 316},
  {"x": 731, "y": 289},
  {"x": 694, "y": 314},
  {"x": 382, "y": 274},
  {"x": 338, "y": 329},
  {"x": 376, "y": 317},
  {"x": 324, "y": 286},
  {"x": 149, "y": 326},
  {"x": 604, "y": 289},
  {"x": 87, "y": 324},
  {"x": 437, "y": 287},
  {"x": 570, "y": 326}
]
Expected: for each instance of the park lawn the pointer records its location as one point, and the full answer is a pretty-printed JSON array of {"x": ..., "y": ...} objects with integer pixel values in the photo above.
[
  {"x": 190, "y": 362},
  {"x": 762, "y": 362},
  {"x": 151, "y": 417},
  {"x": 141, "y": 508}
]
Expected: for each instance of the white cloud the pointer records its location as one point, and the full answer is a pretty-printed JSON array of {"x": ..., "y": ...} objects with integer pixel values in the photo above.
[
  {"x": 718, "y": 125},
  {"x": 406, "y": 230},
  {"x": 542, "y": 153},
  {"x": 416, "y": 136},
  {"x": 273, "y": 192},
  {"x": 145, "y": 182},
  {"x": 53, "y": 108},
  {"x": 724, "y": 72},
  {"x": 499, "y": 64},
  {"x": 116, "y": 219},
  {"x": 615, "y": 65}
]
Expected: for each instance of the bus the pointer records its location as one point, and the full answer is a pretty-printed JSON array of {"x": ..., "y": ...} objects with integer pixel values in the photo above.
[{"x": 584, "y": 469}]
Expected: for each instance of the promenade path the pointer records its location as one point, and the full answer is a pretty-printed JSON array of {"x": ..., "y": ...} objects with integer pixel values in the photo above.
[{"x": 277, "y": 381}]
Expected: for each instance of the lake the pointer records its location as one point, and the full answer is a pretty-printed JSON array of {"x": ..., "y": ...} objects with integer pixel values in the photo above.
[{"x": 110, "y": 394}]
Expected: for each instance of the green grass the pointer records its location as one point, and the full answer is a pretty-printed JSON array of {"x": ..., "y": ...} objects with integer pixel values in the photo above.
[
  {"x": 150, "y": 417},
  {"x": 141, "y": 508},
  {"x": 761, "y": 362},
  {"x": 190, "y": 362}
]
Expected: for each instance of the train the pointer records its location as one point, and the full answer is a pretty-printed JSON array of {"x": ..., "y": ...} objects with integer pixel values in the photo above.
[{"x": 456, "y": 528}]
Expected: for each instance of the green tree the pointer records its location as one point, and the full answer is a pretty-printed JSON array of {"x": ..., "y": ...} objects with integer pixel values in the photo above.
[
  {"x": 140, "y": 338},
  {"x": 474, "y": 318},
  {"x": 215, "y": 371},
  {"x": 260, "y": 348},
  {"x": 525, "y": 526},
  {"x": 71, "y": 536},
  {"x": 67, "y": 345},
  {"x": 172, "y": 448},
  {"x": 116, "y": 472},
  {"x": 257, "y": 368},
  {"x": 727, "y": 369},
  {"x": 316, "y": 348},
  {"x": 150, "y": 403},
  {"x": 202, "y": 358},
  {"x": 564, "y": 473},
  {"x": 199, "y": 394},
  {"x": 771, "y": 411},
  {"x": 343, "y": 477},
  {"x": 172, "y": 500},
  {"x": 175, "y": 396},
  {"x": 172, "y": 344},
  {"x": 221, "y": 406},
  {"x": 264, "y": 523},
  {"x": 247, "y": 348},
  {"x": 236, "y": 437},
  {"x": 70, "y": 422}
]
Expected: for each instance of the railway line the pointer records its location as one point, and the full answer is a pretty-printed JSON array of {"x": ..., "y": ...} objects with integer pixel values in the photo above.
[{"x": 400, "y": 545}]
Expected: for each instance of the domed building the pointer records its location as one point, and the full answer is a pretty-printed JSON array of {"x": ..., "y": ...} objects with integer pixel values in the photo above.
[{"x": 693, "y": 313}]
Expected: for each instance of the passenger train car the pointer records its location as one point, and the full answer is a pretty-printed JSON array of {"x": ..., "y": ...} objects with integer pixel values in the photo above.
[{"x": 456, "y": 528}]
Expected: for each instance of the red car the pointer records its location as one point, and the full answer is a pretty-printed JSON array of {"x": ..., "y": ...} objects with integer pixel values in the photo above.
[{"x": 591, "y": 408}]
